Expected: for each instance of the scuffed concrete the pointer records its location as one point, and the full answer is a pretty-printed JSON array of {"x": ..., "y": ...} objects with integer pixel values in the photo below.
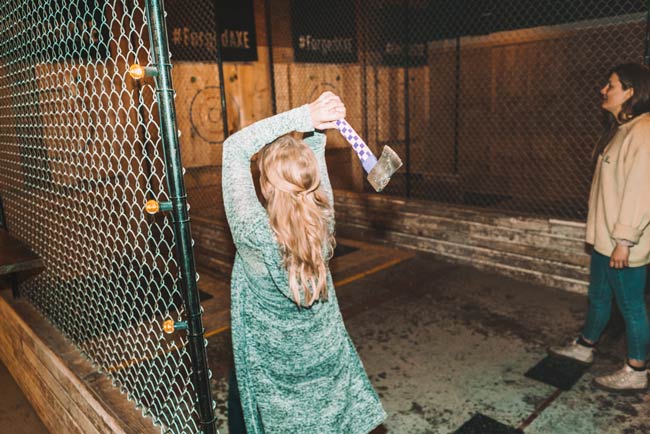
[{"x": 441, "y": 342}]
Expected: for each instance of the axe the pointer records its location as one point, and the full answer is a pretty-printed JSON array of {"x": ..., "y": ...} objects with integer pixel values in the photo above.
[{"x": 379, "y": 171}]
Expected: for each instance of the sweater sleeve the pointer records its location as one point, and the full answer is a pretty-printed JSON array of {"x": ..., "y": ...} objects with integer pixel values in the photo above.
[
  {"x": 242, "y": 207},
  {"x": 634, "y": 213}
]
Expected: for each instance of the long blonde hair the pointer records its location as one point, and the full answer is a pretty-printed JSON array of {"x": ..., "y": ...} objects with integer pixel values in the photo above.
[{"x": 300, "y": 215}]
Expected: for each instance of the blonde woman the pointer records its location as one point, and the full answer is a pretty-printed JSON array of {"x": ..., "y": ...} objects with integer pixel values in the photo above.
[{"x": 296, "y": 367}]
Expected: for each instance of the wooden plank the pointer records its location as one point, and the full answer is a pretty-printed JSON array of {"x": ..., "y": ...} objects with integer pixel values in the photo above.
[
  {"x": 54, "y": 404},
  {"x": 54, "y": 391},
  {"x": 198, "y": 105},
  {"x": 214, "y": 249},
  {"x": 525, "y": 258},
  {"x": 378, "y": 202},
  {"x": 53, "y": 415},
  {"x": 369, "y": 210},
  {"x": 16, "y": 256},
  {"x": 543, "y": 244},
  {"x": 198, "y": 109},
  {"x": 550, "y": 252},
  {"x": 552, "y": 273},
  {"x": 50, "y": 371}
]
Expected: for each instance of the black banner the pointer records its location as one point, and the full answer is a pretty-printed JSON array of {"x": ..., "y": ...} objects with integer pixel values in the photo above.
[
  {"x": 518, "y": 14},
  {"x": 192, "y": 28},
  {"x": 324, "y": 31},
  {"x": 404, "y": 30}
]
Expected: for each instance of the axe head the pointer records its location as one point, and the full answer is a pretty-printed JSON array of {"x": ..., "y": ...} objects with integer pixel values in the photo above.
[{"x": 386, "y": 166}]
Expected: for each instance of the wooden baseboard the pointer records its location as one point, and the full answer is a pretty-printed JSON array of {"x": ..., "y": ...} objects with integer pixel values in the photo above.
[
  {"x": 545, "y": 251},
  {"x": 68, "y": 395}
]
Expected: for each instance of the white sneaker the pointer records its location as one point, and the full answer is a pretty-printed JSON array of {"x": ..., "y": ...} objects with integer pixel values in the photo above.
[
  {"x": 623, "y": 380},
  {"x": 574, "y": 351}
]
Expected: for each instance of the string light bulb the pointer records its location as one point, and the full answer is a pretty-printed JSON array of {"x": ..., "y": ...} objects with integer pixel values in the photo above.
[
  {"x": 168, "y": 326},
  {"x": 138, "y": 72},
  {"x": 153, "y": 206}
]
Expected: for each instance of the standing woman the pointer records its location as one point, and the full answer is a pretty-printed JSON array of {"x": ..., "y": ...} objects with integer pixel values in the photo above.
[
  {"x": 296, "y": 368},
  {"x": 617, "y": 227}
]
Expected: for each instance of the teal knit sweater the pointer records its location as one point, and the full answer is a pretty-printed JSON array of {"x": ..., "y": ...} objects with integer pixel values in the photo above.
[{"x": 297, "y": 369}]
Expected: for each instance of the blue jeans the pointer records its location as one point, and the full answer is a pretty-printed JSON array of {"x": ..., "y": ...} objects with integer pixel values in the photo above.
[{"x": 627, "y": 285}]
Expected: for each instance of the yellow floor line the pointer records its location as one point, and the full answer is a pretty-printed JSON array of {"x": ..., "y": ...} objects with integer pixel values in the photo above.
[
  {"x": 132, "y": 362},
  {"x": 374, "y": 270},
  {"x": 338, "y": 284},
  {"x": 216, "y": 331}
]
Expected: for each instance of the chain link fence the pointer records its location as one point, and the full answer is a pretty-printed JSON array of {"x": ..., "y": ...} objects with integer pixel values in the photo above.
[
  {"x": 493, "y": 104},
  {"x": 209, "y": 107},
  {"x": 80, "y": 154},
  {"x": 193, "y": 38}
]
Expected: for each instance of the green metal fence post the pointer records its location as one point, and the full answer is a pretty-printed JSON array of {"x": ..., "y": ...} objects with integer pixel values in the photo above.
[
  {"x": 646, "y": 50},
  {"x": 178, "y": 197},
  {"x": 222, "y": 80},
  {"x": 3, "y": 222},
  {"x": 269, "y": 39},
  {"x": 407, "y": 104},
  {"x": 456, "y": 105}
]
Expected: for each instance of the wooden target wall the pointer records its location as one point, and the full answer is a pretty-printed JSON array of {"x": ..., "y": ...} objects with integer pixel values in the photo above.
[
  {"x": 481, "y": 128},
  {"x": 199, "y": 109}
]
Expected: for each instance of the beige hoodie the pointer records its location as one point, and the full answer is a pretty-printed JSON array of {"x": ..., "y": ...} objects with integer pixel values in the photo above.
[{"x": 619, "y": 202}]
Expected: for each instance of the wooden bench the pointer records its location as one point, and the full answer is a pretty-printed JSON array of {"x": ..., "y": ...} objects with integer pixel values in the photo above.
[{"x": 16, "y": 258}]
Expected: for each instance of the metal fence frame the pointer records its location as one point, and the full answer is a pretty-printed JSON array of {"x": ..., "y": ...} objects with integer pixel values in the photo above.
[{"x": 82, "y": 148}]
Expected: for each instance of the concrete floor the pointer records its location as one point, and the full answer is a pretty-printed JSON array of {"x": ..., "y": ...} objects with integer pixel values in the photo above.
[{"x": 442, "y": 342}]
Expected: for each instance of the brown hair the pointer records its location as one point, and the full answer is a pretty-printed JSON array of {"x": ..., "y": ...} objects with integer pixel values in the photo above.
[{"x": 632, "y": 76}]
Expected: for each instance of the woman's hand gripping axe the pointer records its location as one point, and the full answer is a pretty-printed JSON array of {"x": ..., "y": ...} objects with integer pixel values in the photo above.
[{"x": 379, "y": 171}]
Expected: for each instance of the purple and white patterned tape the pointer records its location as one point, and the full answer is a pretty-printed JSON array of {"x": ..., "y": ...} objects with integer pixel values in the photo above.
[{"x": 368, "y": 159}]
